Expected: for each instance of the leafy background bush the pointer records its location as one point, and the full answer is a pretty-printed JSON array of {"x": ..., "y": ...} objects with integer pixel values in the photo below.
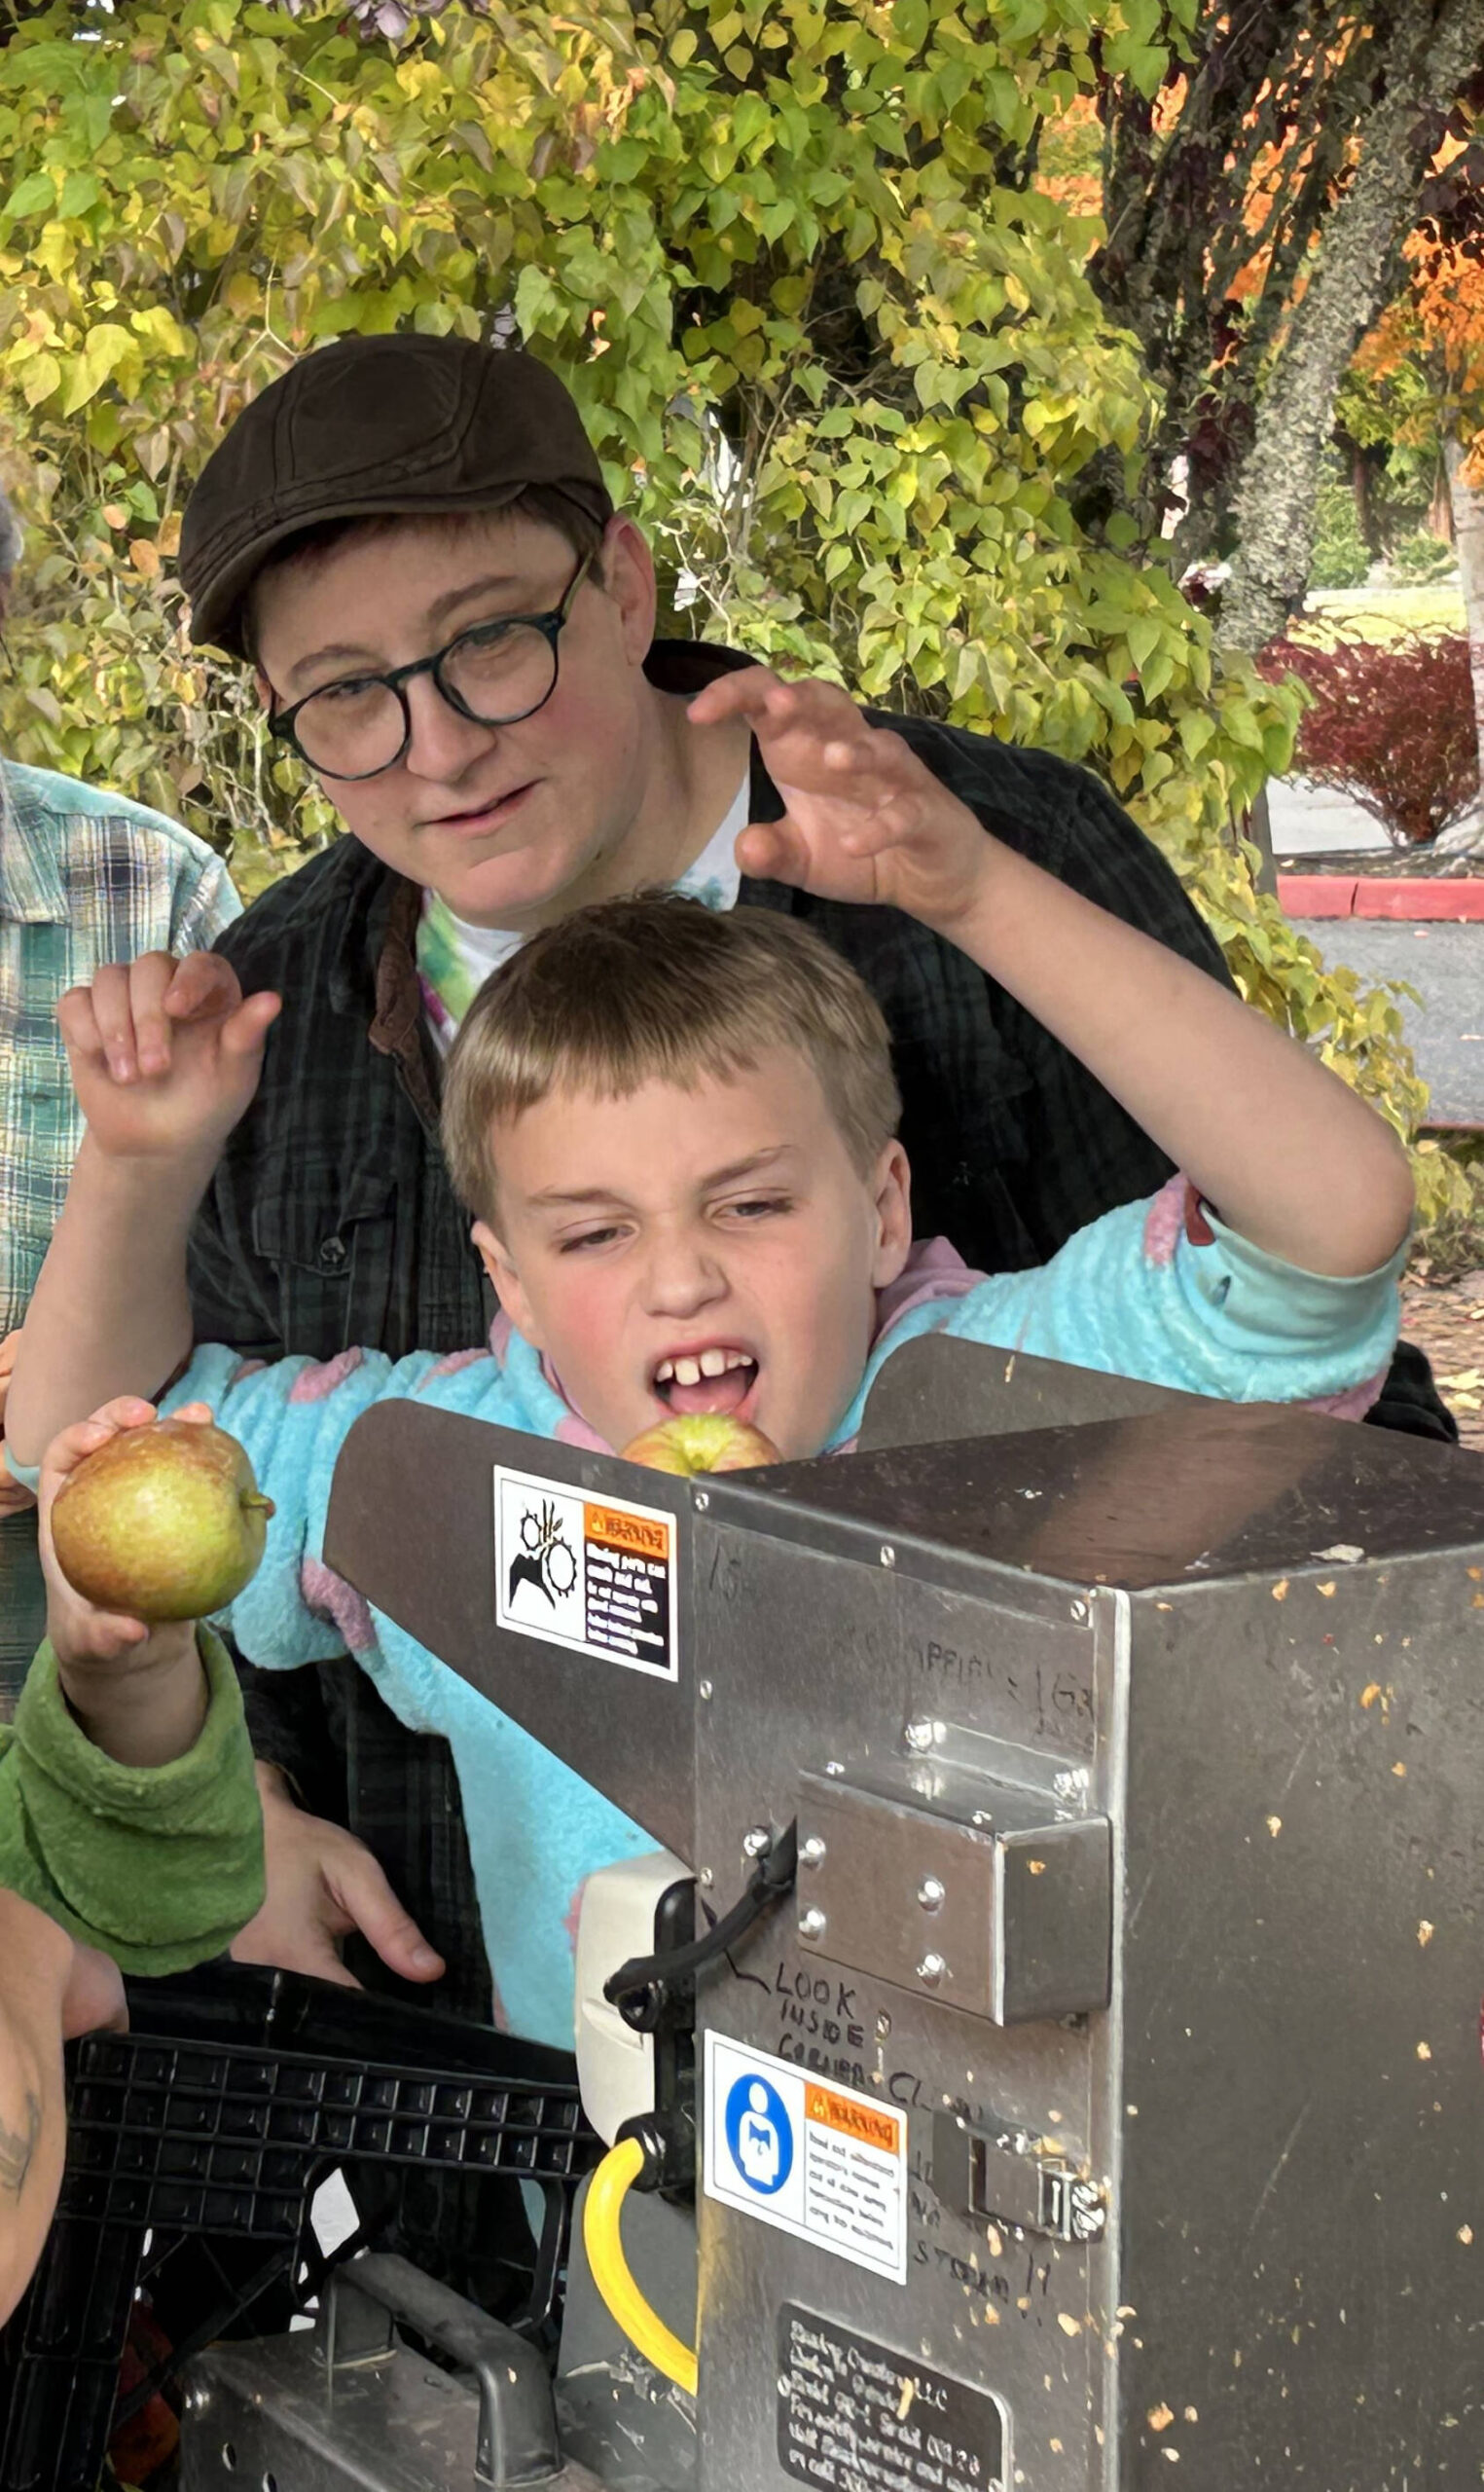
[
  {"x": 835, "y": 347},
  {"x": 1392, "y": 724},
  {"x": 1421, "y": 557},
  {"x": 1341, "y": 555}
]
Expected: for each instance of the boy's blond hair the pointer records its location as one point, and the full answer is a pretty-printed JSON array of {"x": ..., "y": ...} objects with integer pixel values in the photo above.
[{"x": 660, "y": 988}]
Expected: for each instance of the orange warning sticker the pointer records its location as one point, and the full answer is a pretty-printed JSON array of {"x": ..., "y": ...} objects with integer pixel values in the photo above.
[
  {"x": 862, "y": 2120},
  {"x": 621, "y": 1527}
]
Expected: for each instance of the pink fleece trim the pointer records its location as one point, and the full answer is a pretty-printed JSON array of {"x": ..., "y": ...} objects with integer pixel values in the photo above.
[
  {"x": 451, "y": 1365},
  {"x": 318, "y": 1382},
  {"x": 933, "y": 1269},
  {"x": 1353, "y": 1403},
  {"x": 329, "y": 1595},
  {"x": 1165, "y": 1223},
  {"x": 244, "y": 1369}
]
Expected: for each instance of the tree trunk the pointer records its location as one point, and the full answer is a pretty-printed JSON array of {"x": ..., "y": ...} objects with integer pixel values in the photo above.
[
  {"x": 1440, "y": 508},
  {"x": 1468, "y": 502},
  {"x": 1275, "y": 501}
]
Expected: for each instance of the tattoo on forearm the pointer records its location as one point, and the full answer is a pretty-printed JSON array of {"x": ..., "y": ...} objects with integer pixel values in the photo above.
[{"x": 17, "y": 2147}]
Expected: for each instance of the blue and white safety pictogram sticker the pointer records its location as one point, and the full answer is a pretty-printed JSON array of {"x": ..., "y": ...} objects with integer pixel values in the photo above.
[
  {"x": 759, "y": 2135},
  {"x": 807, "y": 2156}
]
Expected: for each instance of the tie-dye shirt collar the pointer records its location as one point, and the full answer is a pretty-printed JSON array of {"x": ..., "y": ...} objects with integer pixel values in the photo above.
[{"x": 455, "y": 958}]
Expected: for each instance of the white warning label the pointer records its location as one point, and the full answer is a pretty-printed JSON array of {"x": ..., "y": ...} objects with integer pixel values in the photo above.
[
  {"x": 816, "y": 2160},
  {"x": 594, "y": 1575}
]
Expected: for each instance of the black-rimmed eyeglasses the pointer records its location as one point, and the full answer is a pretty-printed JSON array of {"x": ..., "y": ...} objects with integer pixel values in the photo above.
[{"x": 495, "y": 674}]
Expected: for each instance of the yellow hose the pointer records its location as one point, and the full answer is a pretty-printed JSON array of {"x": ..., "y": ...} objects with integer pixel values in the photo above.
[{"x": 603, "y": 2240}]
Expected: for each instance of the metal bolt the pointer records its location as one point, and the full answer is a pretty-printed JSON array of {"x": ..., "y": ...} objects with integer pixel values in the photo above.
[
  {"x": 1080, "y": 1613},
  {"x": 811, "y": 1851},
  {"x": 703, "y": 1690},
  {"x": 931, "y": 1893},
  {"x": 932, "y": 1968},
  {"x": 833, "y": 1768},
  {"x": 704, "y": 1878},
  {"x": 813, "y": 1923},
  {"x": 883, "y": 2026},
  {"x": 982, "y": 1818},
  {"x": 701, "y": 1501},
  {"x": 888, "y": 1554},
  {"x": 921, "y": 1735},
  {"x": 755, "y": 1841}
]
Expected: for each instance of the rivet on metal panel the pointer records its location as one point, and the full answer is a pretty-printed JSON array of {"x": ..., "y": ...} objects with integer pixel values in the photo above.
[
  {"x": 1080, "y": 1613},
  {"x": 931, "y": 1893},
  {"x": 922, "y": 1735},
  {"x": 704, "y": 1878},
  {"x": 811, "y": 1851},
  {"x": 833, "y": 1766},
  {"x": 981, "y": 1818},
  {"x": 932, "y": 1967},
  {"x": 704, "y": 1690},
  {"x": 755, "y": 1841},
  {"x": 812, "y": 1924},
  {"x": 701, "y": 1501},
  {"x": 888, "y": 1554}
]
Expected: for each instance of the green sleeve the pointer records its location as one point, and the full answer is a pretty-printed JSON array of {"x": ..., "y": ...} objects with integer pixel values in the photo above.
[{"x": 159, "y": 1865}]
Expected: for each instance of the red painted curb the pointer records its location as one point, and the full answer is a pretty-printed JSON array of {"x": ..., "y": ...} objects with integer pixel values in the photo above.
[
  {"x": 1447, "y": 903},
  {"x": 1410, "y": 898},
  {"x": 1316, "y": 894}
]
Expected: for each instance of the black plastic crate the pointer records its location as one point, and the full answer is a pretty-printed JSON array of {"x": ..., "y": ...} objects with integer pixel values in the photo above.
[{"x": 195, "y": 2144}]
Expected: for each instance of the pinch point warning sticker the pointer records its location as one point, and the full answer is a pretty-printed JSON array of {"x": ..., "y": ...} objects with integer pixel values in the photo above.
[
  {"x": 594, "y": 1575},
  {"x": 816, "y": 2160}
]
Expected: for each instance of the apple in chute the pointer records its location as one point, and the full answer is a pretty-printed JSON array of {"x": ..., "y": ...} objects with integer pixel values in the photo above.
[
  {"x": 702, "y": 1441},
  {"x": 162, "y": 1522}
]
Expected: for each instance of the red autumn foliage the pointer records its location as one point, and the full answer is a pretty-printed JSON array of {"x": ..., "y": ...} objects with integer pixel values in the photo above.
[{"x": 1392, "y": 726}]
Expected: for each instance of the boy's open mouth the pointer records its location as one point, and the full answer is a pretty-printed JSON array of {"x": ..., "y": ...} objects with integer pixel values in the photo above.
[{"x": 716, "y": 1380}]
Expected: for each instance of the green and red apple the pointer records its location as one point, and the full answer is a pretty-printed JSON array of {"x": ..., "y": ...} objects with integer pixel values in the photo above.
[
  {"x": 162, "y": 1522},
  {"x": 696, "y": 1441}
]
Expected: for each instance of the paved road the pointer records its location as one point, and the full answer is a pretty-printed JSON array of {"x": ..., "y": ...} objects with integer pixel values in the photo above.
[
  {"x": 1446, "y": 966},
  {"x": 1306, "y": 821}
]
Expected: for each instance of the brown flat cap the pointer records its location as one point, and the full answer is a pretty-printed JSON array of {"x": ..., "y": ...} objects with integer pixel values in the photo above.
[{"x": 370, "y": 426}]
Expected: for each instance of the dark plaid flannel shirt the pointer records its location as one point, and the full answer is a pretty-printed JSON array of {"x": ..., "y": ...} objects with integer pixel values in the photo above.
[{"x": 331, "y": 1220}]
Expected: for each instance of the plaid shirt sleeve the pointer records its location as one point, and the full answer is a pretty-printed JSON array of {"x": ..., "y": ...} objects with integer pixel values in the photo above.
[{"x": 86, "y": 878}]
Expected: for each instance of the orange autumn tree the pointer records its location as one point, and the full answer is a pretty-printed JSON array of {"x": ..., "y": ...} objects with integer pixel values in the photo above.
[{"x": 1417, "y": 384}]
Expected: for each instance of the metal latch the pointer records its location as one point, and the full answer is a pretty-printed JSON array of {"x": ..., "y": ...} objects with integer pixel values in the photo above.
[{"x": 1001, "y": 2176}]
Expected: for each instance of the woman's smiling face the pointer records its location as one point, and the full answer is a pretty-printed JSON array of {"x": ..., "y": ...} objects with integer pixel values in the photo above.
[{"x": 703, "y": 1248}]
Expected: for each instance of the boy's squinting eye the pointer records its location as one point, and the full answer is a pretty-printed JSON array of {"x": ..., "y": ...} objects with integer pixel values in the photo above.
[
  {"x": 588, "y": 1237},
  {"x": 759, "y": 1206}
]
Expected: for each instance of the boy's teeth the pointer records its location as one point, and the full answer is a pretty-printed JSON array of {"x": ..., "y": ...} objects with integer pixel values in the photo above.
[
  {"x": 687, "y": 1371},
  {"x": 664, "y": 1372},
  {"x": 714, "y": 1362}
]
